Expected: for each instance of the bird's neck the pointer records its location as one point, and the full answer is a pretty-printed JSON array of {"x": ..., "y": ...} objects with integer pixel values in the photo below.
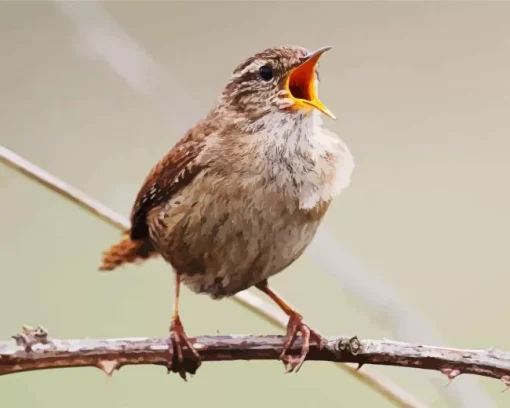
[
  {"x": 298, "y": 156},
  {"x": 284, "y": 134}
]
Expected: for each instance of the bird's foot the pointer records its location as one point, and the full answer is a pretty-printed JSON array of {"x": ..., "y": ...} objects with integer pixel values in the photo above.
[
  {"x": 294, "y": 362},
  {"x": 176, "y": 362}
]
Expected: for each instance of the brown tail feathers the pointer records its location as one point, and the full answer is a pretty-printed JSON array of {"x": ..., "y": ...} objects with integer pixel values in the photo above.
[{"x": 127, "y": 251}]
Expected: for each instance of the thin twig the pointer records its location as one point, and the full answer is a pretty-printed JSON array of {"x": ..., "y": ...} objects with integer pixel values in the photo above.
[
  {"x": 253, "y": 303},
  {"x": 34, "y": 350}
]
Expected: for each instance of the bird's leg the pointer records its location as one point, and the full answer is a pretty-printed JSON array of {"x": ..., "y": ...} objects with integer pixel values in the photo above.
[
  {"x": 177, "y": 339},
  {"x": 295, "y": 326}
]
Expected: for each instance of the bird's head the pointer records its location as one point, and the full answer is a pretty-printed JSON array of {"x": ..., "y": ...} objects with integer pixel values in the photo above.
[{"x": 279, "y": 79}]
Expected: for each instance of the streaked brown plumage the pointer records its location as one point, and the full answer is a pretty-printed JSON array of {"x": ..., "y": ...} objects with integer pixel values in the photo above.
[{"x": 240, "y": 196}]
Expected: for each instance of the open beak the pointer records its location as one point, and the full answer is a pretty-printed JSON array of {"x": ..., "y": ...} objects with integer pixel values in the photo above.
[{"x": 300, "y": 83}]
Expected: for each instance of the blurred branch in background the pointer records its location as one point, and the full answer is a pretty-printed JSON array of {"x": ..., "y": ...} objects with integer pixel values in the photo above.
[
  {"x": 246, "y": 299},
  {"x": 101, "y": 36},
  {"x": 34, "y": 350}
]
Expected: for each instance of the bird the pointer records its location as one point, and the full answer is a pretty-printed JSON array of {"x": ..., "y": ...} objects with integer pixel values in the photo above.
[{"x": 241, "y": 195}]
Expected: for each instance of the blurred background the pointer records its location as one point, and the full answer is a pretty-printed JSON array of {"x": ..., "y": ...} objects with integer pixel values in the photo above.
[{"x": 415, "y": 250}]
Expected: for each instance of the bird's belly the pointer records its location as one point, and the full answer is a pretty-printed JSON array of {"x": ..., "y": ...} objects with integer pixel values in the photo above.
[{"x": 221, "y": 249}]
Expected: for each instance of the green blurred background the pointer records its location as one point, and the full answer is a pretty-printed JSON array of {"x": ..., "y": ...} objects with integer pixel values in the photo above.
[{"x": 97, "y": 92}]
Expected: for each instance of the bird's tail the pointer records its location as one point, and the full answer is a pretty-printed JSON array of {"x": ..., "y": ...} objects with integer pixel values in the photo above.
[{"x": 127, "y": 251}]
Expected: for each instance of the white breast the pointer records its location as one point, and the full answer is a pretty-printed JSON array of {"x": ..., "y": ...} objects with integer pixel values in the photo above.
[{"x": 303, "y": 159}]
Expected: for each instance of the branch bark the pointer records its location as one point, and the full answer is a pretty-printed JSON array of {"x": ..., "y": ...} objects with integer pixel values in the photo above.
[{"x": 33, "y": 350}]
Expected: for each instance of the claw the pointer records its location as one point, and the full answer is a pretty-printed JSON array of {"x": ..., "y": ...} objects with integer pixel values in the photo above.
[
  {"x": 176, "y": 362},
  {"x": 293, "y": 363}
]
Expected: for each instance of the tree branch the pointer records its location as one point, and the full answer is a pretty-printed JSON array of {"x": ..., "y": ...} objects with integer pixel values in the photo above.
[{"x": 33, "y": 350}]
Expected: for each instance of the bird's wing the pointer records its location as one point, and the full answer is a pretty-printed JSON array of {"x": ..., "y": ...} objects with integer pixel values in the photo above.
[{"x": 173, "y": 172}]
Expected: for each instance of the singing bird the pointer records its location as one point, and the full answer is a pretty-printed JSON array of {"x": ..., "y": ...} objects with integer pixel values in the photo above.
[{"x": 241, "y": 195}]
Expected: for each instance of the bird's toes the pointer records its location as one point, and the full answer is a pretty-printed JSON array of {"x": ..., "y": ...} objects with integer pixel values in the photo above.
[{"x": 179, "y": 361}]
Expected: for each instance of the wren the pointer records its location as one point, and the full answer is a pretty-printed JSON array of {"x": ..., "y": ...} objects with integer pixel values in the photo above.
[{"x": 240, "y": 197}]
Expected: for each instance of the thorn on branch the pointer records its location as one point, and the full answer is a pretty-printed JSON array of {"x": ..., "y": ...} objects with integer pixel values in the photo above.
[
  {"x": 31, "y": 336},
  {"x": 451, "y": 374},
  {"x": 506, "y": 380},
  {"x": 108, "y": 366}
]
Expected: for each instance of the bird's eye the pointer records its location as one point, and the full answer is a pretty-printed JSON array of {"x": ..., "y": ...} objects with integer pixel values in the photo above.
[{"x": 266, "y": 73}]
